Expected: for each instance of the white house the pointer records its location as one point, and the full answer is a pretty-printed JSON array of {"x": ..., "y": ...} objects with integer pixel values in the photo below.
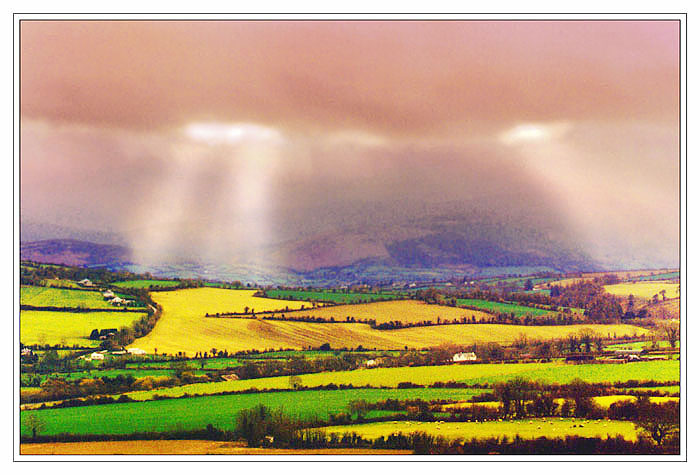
[
  {"x": 460, "y": 357},
  {"x": 86, "y": 283},
  {"x": 108, "y": 295},
  {"x": 136, "y": 351},
  {"x": 370, "y": 363},
  {"x": 97, "y": 356},
  {"x": 117, "y": 301}
]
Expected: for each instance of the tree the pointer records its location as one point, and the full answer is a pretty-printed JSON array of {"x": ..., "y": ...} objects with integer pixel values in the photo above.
[
  {"x": 294, "y": 381},
  {"x": 513, "y": 395},
  {"x": 658, "y": 421},
  {"x": 529, "y": 285},
  {"x": 34, "y": 423},
  {"x": 670, "y": 332},
  {"x": 358, "y": 407}
]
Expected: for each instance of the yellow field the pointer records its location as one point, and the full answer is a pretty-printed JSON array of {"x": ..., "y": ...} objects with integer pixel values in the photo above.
[
  {"x": 179, "y": 447},
  {"x": 606, "y": 401},
  {"x": 526, "y": 428},
  {"x": 183, "y": 327},
  {"x": 406, "y": 311},
  {"x": 645, "y": 290},
  {"x": 66, "y": 328},
  {"x": 592, "y": 275}
]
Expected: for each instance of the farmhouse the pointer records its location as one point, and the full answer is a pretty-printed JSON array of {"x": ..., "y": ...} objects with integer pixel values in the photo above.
[
  {"x": 96, "y": 356},
  {"x": 370, "y": 363},
  {"x": 136, "y": 351},
  {"x": 86, "y": 283},
  {"x": 461, "y": 357},
  {"x": 108, "y": 294}
]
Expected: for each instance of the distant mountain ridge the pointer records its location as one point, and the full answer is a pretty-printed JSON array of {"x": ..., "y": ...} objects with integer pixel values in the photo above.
[{"x": 74, "y": 253}]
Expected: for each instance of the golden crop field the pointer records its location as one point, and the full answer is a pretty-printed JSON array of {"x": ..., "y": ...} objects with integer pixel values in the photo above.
[
  {"x": 181, "y": 447},
  {"x": 406, "y": 311},
  {"x": 67, "y": 328},
  {"x": 525, "y": 428},
  {"x": 645, "y": 290},
  {"x": 631, "y": 274},
  {"x": 183, "y": 327},
  {"x": 606, "y": 401}
]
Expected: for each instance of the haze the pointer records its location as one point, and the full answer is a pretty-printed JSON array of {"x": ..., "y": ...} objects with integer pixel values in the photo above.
[{"x": 218, "y": 141}]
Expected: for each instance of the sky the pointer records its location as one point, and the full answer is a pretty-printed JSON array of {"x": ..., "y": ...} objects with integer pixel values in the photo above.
[{"x": 217, "y": 140}]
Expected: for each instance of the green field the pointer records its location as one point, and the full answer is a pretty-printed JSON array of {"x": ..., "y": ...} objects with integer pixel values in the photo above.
[
  {"x": 525, "y": 428},
  {"x": 67, "y": 328},
  {"x": 146, "y": 284},
  {"x": 60, "y": 283},
  {"x": 196, "y": 413},
  {"x": 664, "y": 276},
  {"x": 67, "y": 298},
  {"x": 498, "y": 307},
  {"x": 645, "y": 290},
  {"x": 554, "y": 372},
  {"x": 330, "y": 296}
]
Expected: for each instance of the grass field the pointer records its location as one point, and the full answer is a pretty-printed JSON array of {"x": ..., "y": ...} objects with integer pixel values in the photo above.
[
  {"x": 182, "y": 447},
  {"x": 196, "y": 413},
  {"x": 183, "y": 327},
  {"x": 60, "y": 283},
  {"x": 50, "y": 297},
  {"x": 607, "y": 401},
  {"x": 663, "y": 276},
  {"x": 526, "y": 429},
  {"x": 479, "y": 373},
  {"x": 645, "y": 290},
  {"x": 66, "y": 328},
  {"x": 498, "y": 307},
  {"x": 406, "y": 311},
  {"x": 330, "y": 296},
  {"x": 145, "y": 284}
]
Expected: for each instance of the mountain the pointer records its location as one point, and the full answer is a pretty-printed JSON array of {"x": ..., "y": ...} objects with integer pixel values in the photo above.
[{"x": 75, "y": 253}]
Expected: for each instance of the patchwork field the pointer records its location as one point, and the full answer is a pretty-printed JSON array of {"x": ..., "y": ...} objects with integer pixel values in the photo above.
[
  {"x": 645, "y": 290},
  {"x": 145, "y": 284},
  {"x": 66, "y": 328},
  {"x": 183, "y": 327},
  {"x": 526, "y": 429},
  {"x": 196, "y": 413},
  {"x": 554, "y": 372},
  {"x": 338, "y": 297},
  {"x": 498, "y": 307},
  {"x": 182, "y": 447},
  {"x": 51, "y": 297},
  {"x": 405, "y": 311}
]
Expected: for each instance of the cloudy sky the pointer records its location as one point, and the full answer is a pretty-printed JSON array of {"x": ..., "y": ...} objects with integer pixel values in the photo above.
[{"x": 213, "y": 138}]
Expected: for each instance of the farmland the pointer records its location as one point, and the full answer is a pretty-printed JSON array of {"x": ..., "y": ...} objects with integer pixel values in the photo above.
[
  {"x": 499, "y": 307},
  {"x": 67, "y": 298},
  {"x": 405, "y": 311},
  {"x": 183, "y": 447},
  {"x": 146, "y": 284},
  {"x": 526, "y": 429},
  {"x": 196, "y": 413},
  {"x": 183, "y": 327},
  {"x": 425, "y": 375},
  {"x": 645, "y": 290},
  {"x": 337, "y": 297},
  {"x": 67, "y": 328}
]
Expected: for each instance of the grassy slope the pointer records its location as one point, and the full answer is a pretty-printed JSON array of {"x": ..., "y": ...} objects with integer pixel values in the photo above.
[
  {"x": 498, "y": 307},
  {"x": 50, "y": 297},
  {"x": 329, "y": 296},
  {"x": 183, "y": 327},
  {"x": 644, "y": 290},
  {"x": 53, "y": 328},
  {"x": 145, "y": 284},
  {"x": 479, "y": 373},
  {"x": 196, "y": 413},
  {"x": 407, "y": 311},
  {"x": 527, "y": 429}
]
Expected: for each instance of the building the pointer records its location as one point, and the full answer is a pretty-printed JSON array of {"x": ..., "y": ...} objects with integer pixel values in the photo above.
[
  {"x": 136, "y": 351},
  {"x": 462, "y": 357},
  {"x": 86, "y": 283},
  {"x": 96, "y": 356},
  {"x": 370, "y": 363},
  {"x": 108, "y": 294}
]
